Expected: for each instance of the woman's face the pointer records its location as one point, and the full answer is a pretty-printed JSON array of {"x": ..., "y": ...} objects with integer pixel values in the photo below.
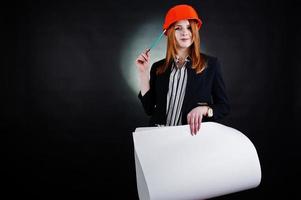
[{"x": 183, "y": 34}]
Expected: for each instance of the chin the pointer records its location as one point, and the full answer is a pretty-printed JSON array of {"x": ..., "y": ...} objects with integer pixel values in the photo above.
[{"x": 185, "y": 45}]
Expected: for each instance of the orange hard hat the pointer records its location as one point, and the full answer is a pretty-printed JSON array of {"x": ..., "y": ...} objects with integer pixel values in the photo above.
[{"x": 180, "y": 12}]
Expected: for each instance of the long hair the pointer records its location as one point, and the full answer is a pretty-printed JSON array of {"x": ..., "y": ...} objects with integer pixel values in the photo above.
[{"x": 198, "y": 61}]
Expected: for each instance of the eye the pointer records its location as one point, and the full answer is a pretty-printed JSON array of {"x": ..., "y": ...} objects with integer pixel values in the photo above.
[{"x": 177, "y": 28}]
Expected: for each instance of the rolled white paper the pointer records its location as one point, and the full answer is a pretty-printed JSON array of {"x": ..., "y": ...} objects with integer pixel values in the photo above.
[{"x": 172, "y": 164}]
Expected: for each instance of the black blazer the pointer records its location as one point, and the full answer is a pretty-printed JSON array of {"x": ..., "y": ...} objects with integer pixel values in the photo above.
[{"x": 207, "y": 87}]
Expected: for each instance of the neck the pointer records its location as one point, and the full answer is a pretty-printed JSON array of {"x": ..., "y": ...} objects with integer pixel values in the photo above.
[{"x": 183, "y": 53}]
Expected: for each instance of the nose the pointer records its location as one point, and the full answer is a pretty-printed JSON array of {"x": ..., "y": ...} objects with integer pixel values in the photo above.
[{"x": 185, "y": 31}]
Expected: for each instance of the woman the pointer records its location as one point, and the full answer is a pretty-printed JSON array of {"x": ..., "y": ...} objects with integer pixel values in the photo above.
[{"x": 187, "y": 86}]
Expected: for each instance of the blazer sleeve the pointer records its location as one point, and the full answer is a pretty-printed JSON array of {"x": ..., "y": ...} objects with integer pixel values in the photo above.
[
  {"x": 148, "y": 100},
  {"x": 220, "y": 103}
]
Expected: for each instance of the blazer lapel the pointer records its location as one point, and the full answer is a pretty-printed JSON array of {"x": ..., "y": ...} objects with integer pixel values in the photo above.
[
  {"x": 189, "y": 86},
  {"x": 164, "y": 84},
  {"x": 165, "y": 79}
]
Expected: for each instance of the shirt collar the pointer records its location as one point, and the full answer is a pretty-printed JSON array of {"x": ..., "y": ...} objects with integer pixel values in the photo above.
[
  {"x": 176, "y": 59},
  {"x": 187, "y": 59}
]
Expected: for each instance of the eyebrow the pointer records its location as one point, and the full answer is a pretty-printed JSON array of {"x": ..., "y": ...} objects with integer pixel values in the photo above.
[{"x": 182, "y": 25}]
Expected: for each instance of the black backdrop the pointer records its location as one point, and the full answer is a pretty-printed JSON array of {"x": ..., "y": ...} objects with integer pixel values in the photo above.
[{"x": 67, "y": 114}]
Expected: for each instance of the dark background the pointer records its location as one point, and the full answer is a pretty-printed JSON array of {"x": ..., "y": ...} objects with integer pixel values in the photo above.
[{"x": 67, "y": 114}]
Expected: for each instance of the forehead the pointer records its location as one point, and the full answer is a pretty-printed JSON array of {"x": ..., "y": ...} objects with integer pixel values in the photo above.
[{"x": 184, "y": 22}]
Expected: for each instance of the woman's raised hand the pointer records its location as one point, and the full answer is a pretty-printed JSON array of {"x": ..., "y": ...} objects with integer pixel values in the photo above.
[{"x": 142, "y": 62}]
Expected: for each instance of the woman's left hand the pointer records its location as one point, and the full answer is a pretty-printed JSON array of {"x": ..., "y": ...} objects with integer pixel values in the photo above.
[{"x": 194, "y": 118}]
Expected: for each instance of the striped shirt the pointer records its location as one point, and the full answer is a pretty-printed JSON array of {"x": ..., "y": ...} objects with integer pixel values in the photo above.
[{"x": 176, "y": 93}]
